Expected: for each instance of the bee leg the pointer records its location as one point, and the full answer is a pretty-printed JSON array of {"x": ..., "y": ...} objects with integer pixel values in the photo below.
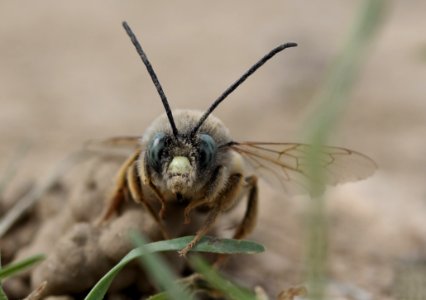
[
  {"x": 249, "y": 220},
  {"x": 214, "y": 212},
  {"x": 214, "y": 189},
  {"x": 145, "y": 178},
  {"x": 250, "y": 217},
  {"x": 160, "y": 198},
  {"x": 135, "y": 188},
  {"x": 191, "y": 206},
  {"x": 221, "y": 202},
  {"x": 118, "y": 195}
]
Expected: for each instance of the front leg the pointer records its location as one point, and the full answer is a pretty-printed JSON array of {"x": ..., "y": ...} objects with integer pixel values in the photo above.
[
  {"x": 134, "y": 185},
  {"x": 219, "y": 204},
  {"x": 118, "y": 195},
  {"x": 214, "y": 188},
  {"x": 250, "y": 217}
]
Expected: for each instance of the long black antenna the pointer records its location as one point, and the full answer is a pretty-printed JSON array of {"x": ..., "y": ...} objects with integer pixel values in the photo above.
[
  {"x": 153, "y": 76},
  {"x": 230, "y": 89}
]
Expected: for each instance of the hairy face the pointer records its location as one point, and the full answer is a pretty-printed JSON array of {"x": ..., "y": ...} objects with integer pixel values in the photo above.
[{"x": 185, "y": 163}]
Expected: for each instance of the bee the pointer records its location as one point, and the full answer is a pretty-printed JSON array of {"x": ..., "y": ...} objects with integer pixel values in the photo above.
[{"x": 189, "y": 157}]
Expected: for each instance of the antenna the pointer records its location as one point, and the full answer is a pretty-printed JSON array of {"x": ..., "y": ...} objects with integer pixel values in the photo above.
[
  {"x": 153, "y": 76},
  {"x": 237, "y": 83}
]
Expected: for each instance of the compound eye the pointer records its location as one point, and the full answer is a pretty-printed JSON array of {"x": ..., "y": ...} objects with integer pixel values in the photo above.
[
  {"x": 156, "y": 150},
  {"x": 207, "y": 150}
]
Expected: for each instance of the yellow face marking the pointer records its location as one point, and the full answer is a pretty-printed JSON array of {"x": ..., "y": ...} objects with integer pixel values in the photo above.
[{"x": 179, "y": 165}]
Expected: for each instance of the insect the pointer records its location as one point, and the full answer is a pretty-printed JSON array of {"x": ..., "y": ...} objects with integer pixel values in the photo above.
[{"x": 189, "y": 157}]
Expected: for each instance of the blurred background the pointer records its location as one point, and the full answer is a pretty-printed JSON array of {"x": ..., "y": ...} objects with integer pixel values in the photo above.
[{"x": 68, "y": 73}]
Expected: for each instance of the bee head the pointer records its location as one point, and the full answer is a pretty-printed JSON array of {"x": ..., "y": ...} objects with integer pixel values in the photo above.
[
  {"x": 185, "y": 162},
  {"x": 179, "y": 162}
]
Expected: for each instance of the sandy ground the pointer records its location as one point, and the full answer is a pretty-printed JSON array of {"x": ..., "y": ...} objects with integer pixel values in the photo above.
[{"x": 68, "y": 73}]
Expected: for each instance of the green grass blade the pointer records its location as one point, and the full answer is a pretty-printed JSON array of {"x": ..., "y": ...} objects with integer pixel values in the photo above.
[
  {"x": 206, "y": 244},
  {"x": 20, "y": 266},
  {"x": 2, "y": 294},
  {"x": 229, "y": 289},
  {"x": 332, "y": 100},
  {"x": 161, "y": 274}
]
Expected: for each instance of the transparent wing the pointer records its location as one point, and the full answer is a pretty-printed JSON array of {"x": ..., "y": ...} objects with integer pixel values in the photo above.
[
  {"x": 120, "y": 145},
  {"x": 286, "y": 163}
]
